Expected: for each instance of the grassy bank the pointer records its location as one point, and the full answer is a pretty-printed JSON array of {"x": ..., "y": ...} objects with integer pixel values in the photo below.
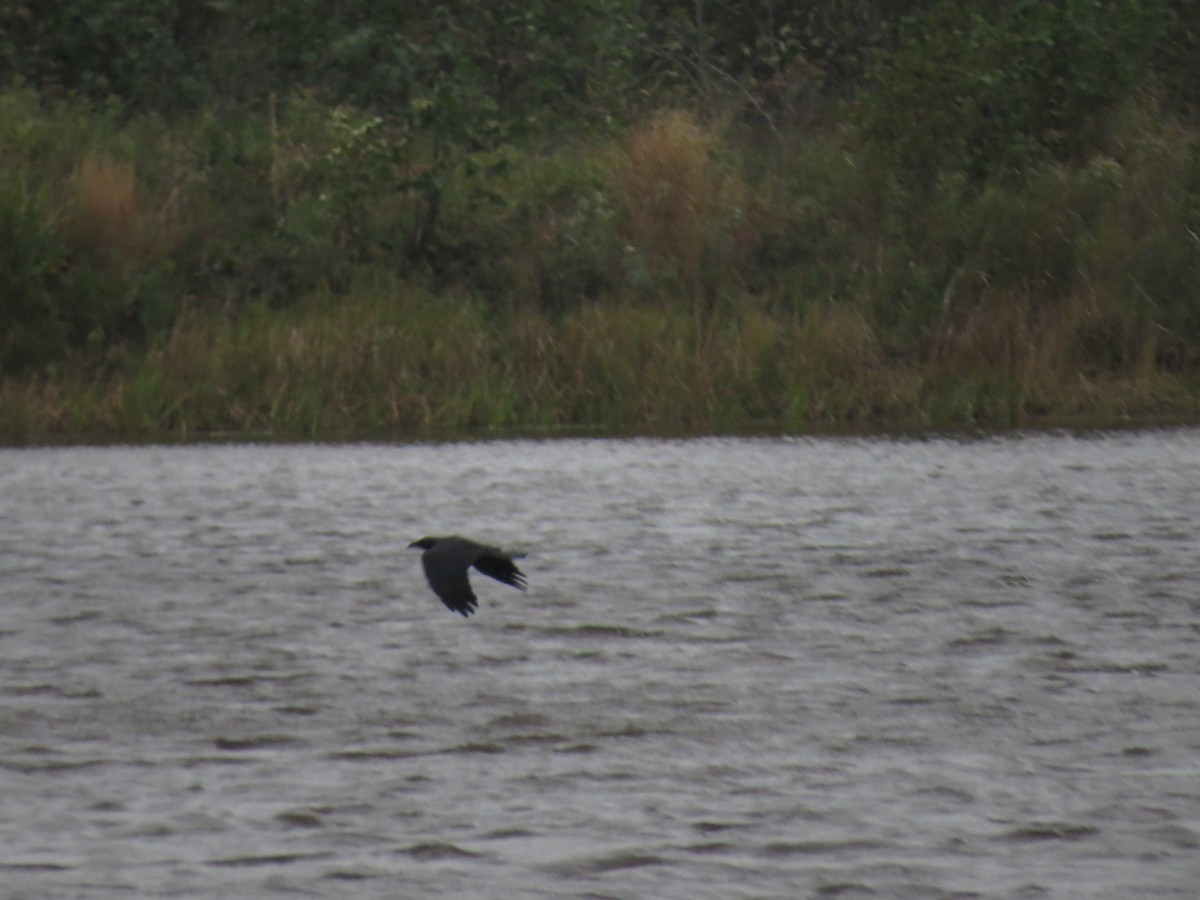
[
  {"x": 388, "y": 360},
  {"x": 681, "y": 272}
]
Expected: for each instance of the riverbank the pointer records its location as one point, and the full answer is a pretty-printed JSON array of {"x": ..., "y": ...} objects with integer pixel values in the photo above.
[
  {"x": 389, "y": 361},
  {"x": 307, "y": 264}
]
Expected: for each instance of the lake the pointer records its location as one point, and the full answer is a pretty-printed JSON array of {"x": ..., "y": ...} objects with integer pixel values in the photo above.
[{"x": 744, "y": 667}]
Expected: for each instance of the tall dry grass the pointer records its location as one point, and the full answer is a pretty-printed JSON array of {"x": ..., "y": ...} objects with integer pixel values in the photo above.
[
  {"x": 668, "y": 189},
  {"x": 106, "y": 221},
  {"x": 405, "y": 362},
  {"x": 390, "y": 359}
]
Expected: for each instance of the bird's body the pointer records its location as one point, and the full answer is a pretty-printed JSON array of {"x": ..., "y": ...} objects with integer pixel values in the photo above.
[{"x": 447, "y": 559}]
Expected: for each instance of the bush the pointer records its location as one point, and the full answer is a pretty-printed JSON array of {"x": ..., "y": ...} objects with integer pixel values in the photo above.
[
  {"x": 984, "y": 92},
  {"x": 85, "y": 246},
  {"x": 32, "y": 255}
]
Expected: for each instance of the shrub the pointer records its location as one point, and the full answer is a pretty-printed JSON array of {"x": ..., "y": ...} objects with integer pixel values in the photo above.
[{"x": 988, "y": 91}]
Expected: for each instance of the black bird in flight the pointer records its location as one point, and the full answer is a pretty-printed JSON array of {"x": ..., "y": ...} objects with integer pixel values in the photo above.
[{"x": 446, "y": 560}]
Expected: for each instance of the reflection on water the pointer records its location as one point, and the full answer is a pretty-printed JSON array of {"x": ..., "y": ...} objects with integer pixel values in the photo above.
[{"x": 744, "y": 667}]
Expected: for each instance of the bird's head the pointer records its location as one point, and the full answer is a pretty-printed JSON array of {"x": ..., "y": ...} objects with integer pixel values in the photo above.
[{"x": 424, "y": 543}]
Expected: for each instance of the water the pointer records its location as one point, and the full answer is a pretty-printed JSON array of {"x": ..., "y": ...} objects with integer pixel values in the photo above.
[{"x": 744, "y": 668}]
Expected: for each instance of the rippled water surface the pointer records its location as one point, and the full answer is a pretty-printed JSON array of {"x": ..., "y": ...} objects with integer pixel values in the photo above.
[{"x": 744, "y": 668}]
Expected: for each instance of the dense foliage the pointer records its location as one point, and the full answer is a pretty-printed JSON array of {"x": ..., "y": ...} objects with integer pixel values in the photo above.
[{"x": 939, "y": 171}]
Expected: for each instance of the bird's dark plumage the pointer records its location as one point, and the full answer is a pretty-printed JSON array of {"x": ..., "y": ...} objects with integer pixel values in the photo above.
[{"x": 446, "y": 560}]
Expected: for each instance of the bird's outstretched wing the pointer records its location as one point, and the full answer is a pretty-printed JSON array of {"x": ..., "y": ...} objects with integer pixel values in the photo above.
[
  {"x": 499, "y": 565},
  {"x": 447, "y": 575}
]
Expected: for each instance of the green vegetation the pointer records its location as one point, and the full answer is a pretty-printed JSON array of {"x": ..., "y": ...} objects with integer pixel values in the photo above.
[{"x": 316, "y": 219}]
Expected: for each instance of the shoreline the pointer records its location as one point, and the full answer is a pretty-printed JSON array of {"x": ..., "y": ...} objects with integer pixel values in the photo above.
[{"x": 1079, "y": 425}]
